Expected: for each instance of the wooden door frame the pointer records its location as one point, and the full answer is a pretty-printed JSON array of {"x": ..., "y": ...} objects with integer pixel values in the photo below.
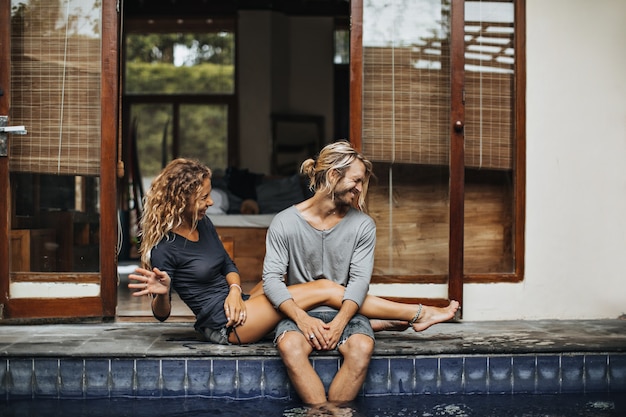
[
  {"x": 110, "y": 110},
  {"x": 103, "y": 306},
  {"x": 5, "y": 84},
  {"x": 457, "y": 276},
  {"x": 457, "y": 156},
  {"x": 457, "y": 151}
]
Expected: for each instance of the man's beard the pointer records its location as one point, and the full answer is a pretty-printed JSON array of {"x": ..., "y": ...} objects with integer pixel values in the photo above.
[{"x": 341, "y": 198}]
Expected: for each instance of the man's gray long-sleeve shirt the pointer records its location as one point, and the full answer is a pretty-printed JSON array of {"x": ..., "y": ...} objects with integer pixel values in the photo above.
[{"x": 296, "y": 252}]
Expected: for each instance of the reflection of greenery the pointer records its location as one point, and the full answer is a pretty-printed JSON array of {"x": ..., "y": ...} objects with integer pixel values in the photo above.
[
  {"x": 203, "y": 135},
  {"x": 143, "y": 78},
  {"x": 218, "y": 48},
  {"x": 206, "y": 68},
  {"x": 151, "y": 120},
  {"x": 207, "y": 63},
  {"x": 342, "y": 46}
]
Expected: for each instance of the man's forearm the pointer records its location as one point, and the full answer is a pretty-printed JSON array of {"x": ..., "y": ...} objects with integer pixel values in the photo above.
[
  {"x": 290, "y": 309},
  {"x": 348, "y": 309}
]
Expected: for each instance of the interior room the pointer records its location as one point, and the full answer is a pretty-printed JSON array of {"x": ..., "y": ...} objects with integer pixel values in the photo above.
[{"x": 250, "y": 88}]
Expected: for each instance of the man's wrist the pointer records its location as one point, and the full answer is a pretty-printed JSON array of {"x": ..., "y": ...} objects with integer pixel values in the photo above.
[{"x": 290, "y": 309}]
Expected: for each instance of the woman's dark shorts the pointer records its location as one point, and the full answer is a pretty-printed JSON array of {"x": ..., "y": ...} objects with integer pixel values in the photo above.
[
  {"x": 220, "y": 336},
  {"x": 216, "y": 336}
]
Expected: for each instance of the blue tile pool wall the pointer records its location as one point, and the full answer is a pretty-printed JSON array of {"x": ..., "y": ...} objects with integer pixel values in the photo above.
[{"x": 262, "y": 377}]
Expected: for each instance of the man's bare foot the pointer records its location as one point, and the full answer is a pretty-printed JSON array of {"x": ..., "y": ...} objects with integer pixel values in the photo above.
[
  {"x": 389, "y": 325},
  {"x": 433, "y": 315}
]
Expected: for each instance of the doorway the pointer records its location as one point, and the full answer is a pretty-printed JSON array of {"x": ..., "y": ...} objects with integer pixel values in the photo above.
[{"x": 263, "y": 76}]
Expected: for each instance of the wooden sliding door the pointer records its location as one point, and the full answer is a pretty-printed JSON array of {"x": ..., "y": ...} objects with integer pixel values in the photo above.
[{"x": 57, "y": 174}]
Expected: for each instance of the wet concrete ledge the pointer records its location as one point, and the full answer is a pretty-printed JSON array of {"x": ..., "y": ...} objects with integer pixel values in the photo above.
[
  {"x": 123, "y": 339},
  {"x": 163, "y": 360}
]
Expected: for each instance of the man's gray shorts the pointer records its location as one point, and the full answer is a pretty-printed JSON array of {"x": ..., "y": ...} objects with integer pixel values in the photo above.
[{"x": 359, "y": 324}]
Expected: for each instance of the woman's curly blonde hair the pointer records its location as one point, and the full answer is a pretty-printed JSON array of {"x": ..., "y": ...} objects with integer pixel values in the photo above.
[
  {"x": 178, "y": 185},
  {"x": 337, "y": 156}
]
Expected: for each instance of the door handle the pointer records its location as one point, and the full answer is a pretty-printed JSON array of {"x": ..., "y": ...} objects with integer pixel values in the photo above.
[{"x": 4, "y": 134}]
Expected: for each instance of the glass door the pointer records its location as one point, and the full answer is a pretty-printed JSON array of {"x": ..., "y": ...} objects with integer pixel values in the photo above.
[
  {"x": 412, "y": 129},
  {"x": 53, "y": 176}
]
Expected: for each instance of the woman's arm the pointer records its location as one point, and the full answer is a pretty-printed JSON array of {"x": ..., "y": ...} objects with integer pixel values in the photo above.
[
  {"x": 161, "y": 307},
  {"x": 155, "y": 283},
  {"x": 234, "y": 307}
]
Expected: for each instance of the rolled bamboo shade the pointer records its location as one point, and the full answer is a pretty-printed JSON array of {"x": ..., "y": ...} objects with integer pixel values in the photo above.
[
  {"x": 55, "y": 86},
  {"x": 406, "y": 90},
  {"x": 489, "y": 58},
  {"x": 405, "y": 109}
]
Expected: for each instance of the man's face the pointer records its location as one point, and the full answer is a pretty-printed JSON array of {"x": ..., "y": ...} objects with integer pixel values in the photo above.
[{"x": 350, "y": 186}]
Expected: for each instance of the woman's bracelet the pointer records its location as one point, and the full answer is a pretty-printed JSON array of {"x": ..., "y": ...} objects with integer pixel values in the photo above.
[{"x": 238, "y": 286}]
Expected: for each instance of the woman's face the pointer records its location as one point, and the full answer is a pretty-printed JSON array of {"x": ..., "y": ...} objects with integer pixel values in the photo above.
[{"x": 199, "y": 205}]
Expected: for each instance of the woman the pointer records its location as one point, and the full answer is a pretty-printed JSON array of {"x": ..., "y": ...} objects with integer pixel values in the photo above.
[{"x": 180, "y": 249}]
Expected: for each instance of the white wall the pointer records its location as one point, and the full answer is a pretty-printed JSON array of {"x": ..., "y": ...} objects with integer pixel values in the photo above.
[{"x": 576, "y": 168}]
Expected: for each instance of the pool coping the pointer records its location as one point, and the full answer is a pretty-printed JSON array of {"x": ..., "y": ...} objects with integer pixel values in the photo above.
[
  {"x": 121, "y": 339},
  {"x": 159, "y": 360}
]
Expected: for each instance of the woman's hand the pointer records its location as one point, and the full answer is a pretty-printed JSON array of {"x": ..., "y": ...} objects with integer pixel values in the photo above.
[
  {"x": 235, "y": 308},
  {"x": 149, "y": 282}
]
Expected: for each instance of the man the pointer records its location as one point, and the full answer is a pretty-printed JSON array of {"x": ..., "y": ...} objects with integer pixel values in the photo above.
[{"x": 325, "y": 236}]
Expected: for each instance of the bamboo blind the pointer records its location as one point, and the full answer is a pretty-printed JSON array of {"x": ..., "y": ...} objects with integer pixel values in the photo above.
[
  {"x": 406, "y": 90},
  {"x": 55, "y": 86},
  {"x": 410, "y": 206},
  {"x": 406, "y": 129},
  {"x": 405, "y": 109},
  {"x": 489, "y": 58}
]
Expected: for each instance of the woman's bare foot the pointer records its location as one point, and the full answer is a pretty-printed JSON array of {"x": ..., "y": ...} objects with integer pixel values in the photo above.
[
  {"x": 379, "y": 325},
  {"x": 433, "y": 315}
]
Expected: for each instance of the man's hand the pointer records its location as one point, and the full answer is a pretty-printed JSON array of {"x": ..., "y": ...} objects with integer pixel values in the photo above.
[
  {"x": 314, "y": 330},
  {"x": 333, "y": 334},
  {"x": 339, "y": 323}
]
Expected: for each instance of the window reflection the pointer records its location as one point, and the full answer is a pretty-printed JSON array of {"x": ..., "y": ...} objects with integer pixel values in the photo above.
[{"x": 180, "y": 63}]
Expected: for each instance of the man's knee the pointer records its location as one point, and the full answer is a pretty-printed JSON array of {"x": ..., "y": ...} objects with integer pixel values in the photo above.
[
  {"x": 292, "y": 345},
  {"x": 358, "y": 347}
]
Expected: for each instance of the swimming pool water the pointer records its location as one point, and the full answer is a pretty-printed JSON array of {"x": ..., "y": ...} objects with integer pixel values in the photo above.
[{"x": 534, "y": 405}]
